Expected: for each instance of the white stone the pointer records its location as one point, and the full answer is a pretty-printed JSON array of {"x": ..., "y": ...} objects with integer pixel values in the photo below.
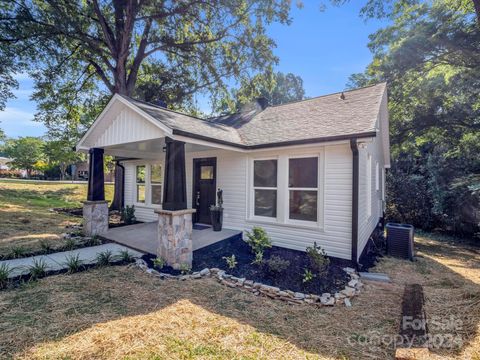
[
  {"x": 299, "y": 295},
  {"x": 347, "y": 302},
  {"x": 348, "y": 291},
  {"x": 353, "y": 283},
  {"x": 205, "y": 272},
  {"x": 326, "y": 295},
  {"x": 95, "y": 217},
  {"x": 349, "y": 270},
  {"x": 327, "y": 301}
]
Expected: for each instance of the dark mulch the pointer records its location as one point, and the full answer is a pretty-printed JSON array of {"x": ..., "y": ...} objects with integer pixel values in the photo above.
[
  {"x": 70, "y": 211},
  {"x": 114, "y": 221},
  {"x": 289, "y": 279}
]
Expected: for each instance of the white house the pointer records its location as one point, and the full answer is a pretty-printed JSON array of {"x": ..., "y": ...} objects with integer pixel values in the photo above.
[{"x": 311, "y": 170}]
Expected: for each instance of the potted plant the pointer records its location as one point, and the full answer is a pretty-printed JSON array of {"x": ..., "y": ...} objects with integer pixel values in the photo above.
[{"x": 216, "y": 212}]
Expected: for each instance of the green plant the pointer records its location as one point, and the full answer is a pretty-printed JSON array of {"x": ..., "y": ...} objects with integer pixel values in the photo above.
[
  {"x": 46, "y": 246},
  {"x": 319, "y": 260},
  {"x": 231, "y": 261},
  {"x": 258, "y": 258},
  {"x": 125, "y": 256},
  {"x": 104, "y": 258},
  {"x": 159, "y": 262},
  {"x": 128, "y": 214},
  {"x": 93, "y": 241},
  {"x": 307, "y": 276},
  {"x": 5, "y": 272},
  {"x": 17, "y": 252},
  {"x": 73, "y": 263},
  {"x": 70, "y": 243},
  {"x": 276, "y": 264},
  {"x": 185, "y": 268},
  {"x": 38, "y": 269},
  {"x": 258, "y": 241}
]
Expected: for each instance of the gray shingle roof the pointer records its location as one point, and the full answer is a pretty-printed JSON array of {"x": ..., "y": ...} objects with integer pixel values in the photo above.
[{"x": 317, "y": 118}]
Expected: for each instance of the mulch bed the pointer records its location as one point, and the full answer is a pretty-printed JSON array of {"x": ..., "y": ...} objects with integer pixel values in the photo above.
[
  {"x": 289, "y": 279},
  {"x": 114, "y": 218}
]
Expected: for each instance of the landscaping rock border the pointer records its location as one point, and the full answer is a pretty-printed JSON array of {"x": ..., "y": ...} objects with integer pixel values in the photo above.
[{"x": 344, "y": 296}]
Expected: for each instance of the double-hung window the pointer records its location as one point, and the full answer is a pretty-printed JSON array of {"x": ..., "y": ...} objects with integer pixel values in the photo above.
[
  {"x": 265, "y": 188},
  {"x": 156, "y": 184},
  {"x": 141, "y": 177},
  {"x": 303, "y": 189}
]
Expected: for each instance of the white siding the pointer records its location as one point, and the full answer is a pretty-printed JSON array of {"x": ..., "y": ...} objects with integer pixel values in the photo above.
[{"x": 233, "y": 178}]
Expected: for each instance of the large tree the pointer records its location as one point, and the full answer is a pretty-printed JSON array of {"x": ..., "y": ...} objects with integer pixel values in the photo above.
[
  {"x": 60, "y": 153},
  {"x": 25, "y": 153},
  {"x": 80, "y": 52},
  {"x": 430, "y": 56}
]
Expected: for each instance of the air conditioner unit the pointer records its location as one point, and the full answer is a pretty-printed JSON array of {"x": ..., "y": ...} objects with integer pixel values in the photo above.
[{"x": 400, "y": 240}]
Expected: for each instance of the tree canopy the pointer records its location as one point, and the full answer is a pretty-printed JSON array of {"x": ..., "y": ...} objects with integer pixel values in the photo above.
[
  {"x": 81, "y": 52},
  {"x": 430, "y": 57},
  {"x": 25, "y": 153}
]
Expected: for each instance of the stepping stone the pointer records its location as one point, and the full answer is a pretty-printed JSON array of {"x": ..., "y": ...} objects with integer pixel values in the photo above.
[{"x": 375, "y": 277}]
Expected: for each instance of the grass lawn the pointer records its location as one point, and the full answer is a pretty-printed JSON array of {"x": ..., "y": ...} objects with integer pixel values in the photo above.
[
  {"x": 25, "y": 215},
  {"x": 123, "y": 313}
]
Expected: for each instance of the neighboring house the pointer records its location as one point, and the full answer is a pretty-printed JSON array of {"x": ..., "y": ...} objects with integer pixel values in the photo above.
[
  {"x": 307, "y": 171},
  {"x": 80, "y": 171}
]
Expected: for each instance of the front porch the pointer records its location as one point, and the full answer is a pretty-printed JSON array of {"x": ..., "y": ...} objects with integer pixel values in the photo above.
[{"x": 144, "y": 237}]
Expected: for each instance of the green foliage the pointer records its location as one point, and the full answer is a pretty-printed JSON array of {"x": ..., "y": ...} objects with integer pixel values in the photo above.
[
  {"x": 26, "y": 153},
  {"x": 258, "y": 240},
  {"x": 128, "y": 214},
  {"x": 104, "y": 258},
  {"x": 258, "y": 260},
  {"x": 276, "y": 264},
  {"x": 17, "y": 251},
  {"x": 5, "y": 272},
  {"x": 38, "y": 269},
  {"x": 60, "y": 153},
  {"x": 70, "y": 243},
  {"x": 125, "y": 256},
  {"x": 319, "y": 260},
  {"x": 46, "y": 246},
  {"x": 185, "y": 269},
  {"x": 73, "y": 263},
  {"x": 308, "y": 276},
  {"x": 93, "y": 241},
  {"x": 231, "y": 261},
  {"x": 159, "y": 262}
]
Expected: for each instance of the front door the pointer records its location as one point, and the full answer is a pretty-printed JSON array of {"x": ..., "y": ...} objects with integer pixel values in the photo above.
[{"x": 204, "y": 188}]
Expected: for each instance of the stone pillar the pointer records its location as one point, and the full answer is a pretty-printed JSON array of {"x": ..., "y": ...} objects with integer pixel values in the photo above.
[
  {"x": 95, "y": 217},
  {"x": 175, "y": 237}
]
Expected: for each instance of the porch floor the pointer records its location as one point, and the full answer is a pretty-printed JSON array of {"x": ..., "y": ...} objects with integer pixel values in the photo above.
[{"x": 143, "y": 237}]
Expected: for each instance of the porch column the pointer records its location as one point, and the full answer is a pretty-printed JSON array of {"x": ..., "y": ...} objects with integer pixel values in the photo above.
[
  {"x": 174, "y": 219},
  {"x": 175, "y": 182},
  {"x": 95, "y": 209}
]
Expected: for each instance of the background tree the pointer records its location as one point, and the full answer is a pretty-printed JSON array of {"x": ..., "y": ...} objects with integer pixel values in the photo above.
[
  {"x": 25, "y": 153},
  {"x": 278, "y": 88},
  {"x": 430, "y": 56},
  {"x": 60, "y": 153}
]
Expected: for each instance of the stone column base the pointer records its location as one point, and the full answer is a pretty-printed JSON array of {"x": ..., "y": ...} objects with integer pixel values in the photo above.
[
  {"x": 175, "y": 237},
  {"x": 95, "y": 217}
]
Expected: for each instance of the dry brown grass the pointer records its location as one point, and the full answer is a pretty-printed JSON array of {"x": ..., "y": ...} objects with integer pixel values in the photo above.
[
  {"x": 120, "y": 313},
  {"x": 25, "y": 215}
]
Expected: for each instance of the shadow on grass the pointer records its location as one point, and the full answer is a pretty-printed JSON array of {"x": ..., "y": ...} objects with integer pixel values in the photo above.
[{"x": 118, "y": 312}]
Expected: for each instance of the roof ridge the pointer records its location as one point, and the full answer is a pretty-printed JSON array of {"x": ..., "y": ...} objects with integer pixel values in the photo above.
[{"x": 330, "y": 94}]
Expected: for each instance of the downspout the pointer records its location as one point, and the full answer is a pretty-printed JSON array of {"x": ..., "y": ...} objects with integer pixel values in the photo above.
[
  {"x": 355, "y": 179},
  {"x": 119, "y": 193}
]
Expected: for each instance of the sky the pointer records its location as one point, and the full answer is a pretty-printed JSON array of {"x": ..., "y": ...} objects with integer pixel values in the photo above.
[{"x": 323, "y": 47}]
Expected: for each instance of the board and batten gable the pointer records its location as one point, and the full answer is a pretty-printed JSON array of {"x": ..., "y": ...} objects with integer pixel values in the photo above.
[{"x": 334, "y": 230}]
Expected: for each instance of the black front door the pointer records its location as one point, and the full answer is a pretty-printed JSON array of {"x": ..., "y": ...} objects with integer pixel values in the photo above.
[{"x": 204, "y": 188}]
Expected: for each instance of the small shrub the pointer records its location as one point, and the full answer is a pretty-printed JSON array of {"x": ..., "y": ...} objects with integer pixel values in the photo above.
[
  {"x": 159, "y": 262},
  {"x": 185, "y": 269},
  {"x": 318, "y": 259},
  {"x": 125, "y": 256},
  {"x": 307, "y": 276},
  {"x": 93, "y": 241},
  {"x": 5, "y": 271},
  {"x": 38, "y": 269},
  {"x": 128, "y": 214},
  {"x": 258, "y": 258},
  {"x": 73, "y": 263},
  {"x": 70, "y": 243},
  {"x": 17, "y": 252},
  {"x": 104, "y": 258},
  {"x": 276, "y": 264},
  {"x": 46, "y": 246},
  {"x": 231, "y": 261},
  {"x": 258, "y": 241}
]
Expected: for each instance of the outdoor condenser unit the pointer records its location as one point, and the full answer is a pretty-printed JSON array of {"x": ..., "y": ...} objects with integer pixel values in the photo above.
[{"x": 400, "y": 240}]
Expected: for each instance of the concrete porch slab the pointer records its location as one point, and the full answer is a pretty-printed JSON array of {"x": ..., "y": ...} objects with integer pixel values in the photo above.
[{"x": 143, "y": 237}]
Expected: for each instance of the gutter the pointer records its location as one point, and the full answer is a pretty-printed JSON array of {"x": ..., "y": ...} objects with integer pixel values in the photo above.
[{"x": 355, "y": 181}]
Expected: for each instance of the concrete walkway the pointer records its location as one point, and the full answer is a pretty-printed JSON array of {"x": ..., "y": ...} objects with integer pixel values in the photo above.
[{"x": 57, "y": 261}]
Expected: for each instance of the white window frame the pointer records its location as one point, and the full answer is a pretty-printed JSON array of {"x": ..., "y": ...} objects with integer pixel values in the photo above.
[
  {"x": 148, "y": 184},
  {"x": 253, "y": 188},
  {"x": 377, "y": 176},
  {"x": 369, "y": 186},
  {"x": 156, "y": 184},
  {"x": 317, "y": 189}
]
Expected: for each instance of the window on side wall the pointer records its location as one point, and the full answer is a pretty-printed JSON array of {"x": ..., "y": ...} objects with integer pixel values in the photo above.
[
  {"x": 303, "y": 189},
  {"x": 156, "y": 184},
  {"x": 140, "y": 183},
  {"x": 265, "y": 188}
]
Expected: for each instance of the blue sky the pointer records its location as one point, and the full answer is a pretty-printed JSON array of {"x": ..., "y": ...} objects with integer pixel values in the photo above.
[{"x": 324, "y": 48}]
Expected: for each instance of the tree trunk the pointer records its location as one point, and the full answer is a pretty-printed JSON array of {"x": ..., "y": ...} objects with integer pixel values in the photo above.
[{"x": 476, "y": 4}]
